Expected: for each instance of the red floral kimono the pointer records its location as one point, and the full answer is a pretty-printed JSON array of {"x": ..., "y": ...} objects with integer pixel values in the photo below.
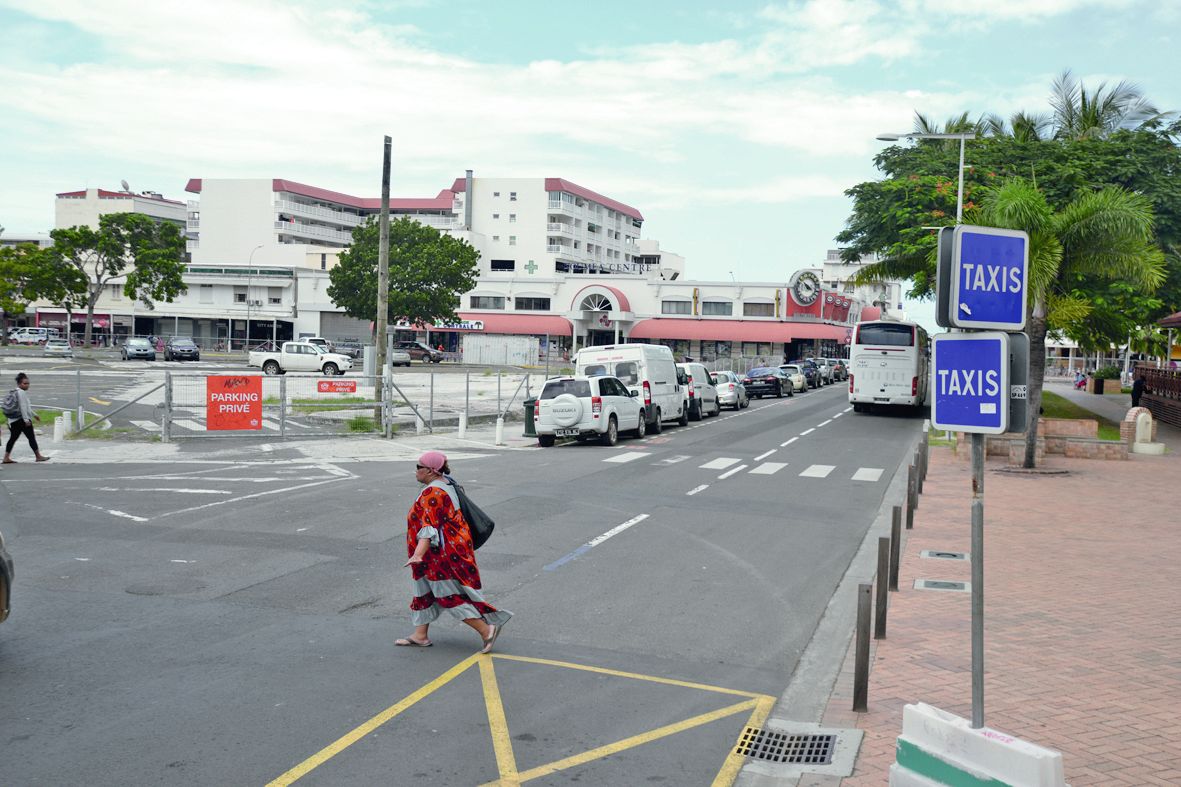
[{"x": 448, "y": 578}]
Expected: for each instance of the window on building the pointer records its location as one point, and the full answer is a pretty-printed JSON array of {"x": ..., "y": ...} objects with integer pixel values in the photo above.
[
  {"x": 758, "y": 310},
  {"x": 116, "y": 292},
  {"x": 532, "y": 304},
  {"x": 274, "y": 295},
  {"x": 676, "y": 307},
  {"x": 504, "y": 265},
  {"x": 496, "y": 217},
  {"x": 496, "y": 239},
  {"x": 512, "y": 195},
  {"x": 496, "y": 194},
  {"x": 206, "y": 294},
  {"x": 487, "y": 301},
  {"x": 756, "y": 349},
  {"x": 239, "y": 295},
  {"x": 717, "y": 307},
  {"x": 323, "y": 262},
  {"x": 512, "y": 217},
  {"x": 720, "y": 349},
  {"x": 512, "y": 240}
]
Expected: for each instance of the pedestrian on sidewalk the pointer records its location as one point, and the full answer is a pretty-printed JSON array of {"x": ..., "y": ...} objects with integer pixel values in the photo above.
[
  {"x": 442, "y": 560},
  {"x": 20, "y": 420},
  {"x": 1137, "y": 389}
]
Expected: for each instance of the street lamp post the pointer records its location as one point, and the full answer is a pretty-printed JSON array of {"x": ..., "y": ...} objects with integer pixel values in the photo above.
[
  {"x": 962, "y": 137},
  {"x": 249, "y": 281}
]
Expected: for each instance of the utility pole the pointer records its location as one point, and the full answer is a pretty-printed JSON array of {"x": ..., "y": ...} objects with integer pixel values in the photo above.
[{"x": 383, "y": 277}]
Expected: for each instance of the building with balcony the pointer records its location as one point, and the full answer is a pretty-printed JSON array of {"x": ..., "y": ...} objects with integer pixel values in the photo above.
[
  {"x": 838, "y": 275},
  {"x": 83, "y": 208}
]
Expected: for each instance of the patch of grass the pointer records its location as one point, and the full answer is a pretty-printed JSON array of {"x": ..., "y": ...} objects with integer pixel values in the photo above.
[
  {"x": 1055, "y": 406},
  {"x": 362, "y": 423}
]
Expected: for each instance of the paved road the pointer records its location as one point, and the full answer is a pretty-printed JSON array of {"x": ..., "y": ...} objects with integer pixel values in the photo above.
[{"x": 227, "y": 617}]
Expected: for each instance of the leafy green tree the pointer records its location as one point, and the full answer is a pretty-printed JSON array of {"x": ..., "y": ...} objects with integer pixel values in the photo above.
[
  {"x": 148, "y": 256},
  {"x": 29, "y": 273},
  {"x": 1105, "y": 234},
  {"x": 428, "y": 273}
]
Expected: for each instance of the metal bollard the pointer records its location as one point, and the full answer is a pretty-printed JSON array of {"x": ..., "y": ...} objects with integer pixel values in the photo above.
[
  {"x": 418, "y": 424},
  {"x": 916, "y": 462},
  {"x": 499, "y": 430},
  {"x": 59, "y": 429},
  {"x": 861, "y": 658},
  {"x": 910, "y": 498},
  {"x": 879, "y": 627},
  {"x": 462, "y": 425},
  {"x": 895, "y": 545},
  {"x": 68, "y": 418}
]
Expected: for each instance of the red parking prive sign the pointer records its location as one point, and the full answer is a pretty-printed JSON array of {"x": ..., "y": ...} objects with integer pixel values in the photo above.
[
  {"x": 233, "y": 402},
  {"x": 336, "y": 386}
]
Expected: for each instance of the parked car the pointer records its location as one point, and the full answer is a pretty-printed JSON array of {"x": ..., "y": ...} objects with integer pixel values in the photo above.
[
  {"x": 181, "y": 348},
  {"x": 59, "y": 347},
  {"x": 350, "y": 347},
  {"x": 840, "y": 370},
  {"x": 299, "y": 357},
  {"x": 419, "y": 351},
  {"x": 731, "y": 391},
  {"x": 327, "y": 344},
  {"x": 767, "y": 381},
  {"x": 703, "y": 397},
  {"x": 825, "y": 369},
  {"x": 6, "y": 574},
  {"x": 33, "y": 335},
  {"x": 811, "y": 371},
  {"x": 136, "y": 347},
  {"x": 583, "y": 407},
  {"x": 399, "y": 357},
  {"x": 796, "y": 374},
  {"x": 646, "y": 369}
]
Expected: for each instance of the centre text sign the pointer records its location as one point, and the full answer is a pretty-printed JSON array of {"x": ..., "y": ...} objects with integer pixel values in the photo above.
[
  {"x": 970, "y": 382},
  {"x": 233, "y": 402},
  {"x": 336, "y": 386},
  {"x": 989, "y": 275}
]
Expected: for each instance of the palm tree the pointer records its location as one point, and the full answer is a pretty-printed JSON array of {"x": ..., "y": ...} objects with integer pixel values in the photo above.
[
  {"x": 1106, "y": 233},
  {"x": 1082, "y": 114}
]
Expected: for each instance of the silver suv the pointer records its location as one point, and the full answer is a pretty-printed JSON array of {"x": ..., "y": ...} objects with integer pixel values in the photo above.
[{"x": 581, "y": 407}]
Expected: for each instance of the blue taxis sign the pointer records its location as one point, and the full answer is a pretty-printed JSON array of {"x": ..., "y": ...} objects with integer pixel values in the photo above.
[
  {"x": 970, "y": 382},
  {"x": 988, "y": 277}
]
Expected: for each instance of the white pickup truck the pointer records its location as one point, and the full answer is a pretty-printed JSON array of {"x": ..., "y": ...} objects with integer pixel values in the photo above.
[{"x": 300, "y": 357}]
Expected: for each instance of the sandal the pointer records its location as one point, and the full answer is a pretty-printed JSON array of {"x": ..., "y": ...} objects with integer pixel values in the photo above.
[
  {"x": 411, "y": 642},
  {"x": 491, "y": 640}
]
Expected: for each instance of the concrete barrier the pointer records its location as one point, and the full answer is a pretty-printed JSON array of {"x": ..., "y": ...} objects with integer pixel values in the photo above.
[{"x": 940, "y": 748}]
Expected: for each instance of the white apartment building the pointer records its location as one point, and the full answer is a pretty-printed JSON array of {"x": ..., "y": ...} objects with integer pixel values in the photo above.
[
  {"x": 83, "y": 208},
  {"x": 838, "y": 276}
]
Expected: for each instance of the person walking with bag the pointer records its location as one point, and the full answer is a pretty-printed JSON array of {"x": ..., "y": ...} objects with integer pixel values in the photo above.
[
  {"x": 442, "y": 560},
  {"x": 20, "y": 419}
]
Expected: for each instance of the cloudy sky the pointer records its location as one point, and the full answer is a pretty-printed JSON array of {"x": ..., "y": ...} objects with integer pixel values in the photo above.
[{"x": 735, "y": 126}]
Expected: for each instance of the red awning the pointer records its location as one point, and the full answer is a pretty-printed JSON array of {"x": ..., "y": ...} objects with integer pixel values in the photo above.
[
  {"x": 524, "y": 324},
  {"x": 734, "y": 330},
  {"x": 1172, "y": 321}
]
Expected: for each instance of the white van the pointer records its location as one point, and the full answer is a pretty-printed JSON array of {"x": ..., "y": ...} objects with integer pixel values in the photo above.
[
  {"x": 647, "y": 369},
  {"x": 33, "y": 335}
]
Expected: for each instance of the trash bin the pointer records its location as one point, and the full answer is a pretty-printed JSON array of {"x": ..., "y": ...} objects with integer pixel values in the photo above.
[{"x": 529, "y": 430}]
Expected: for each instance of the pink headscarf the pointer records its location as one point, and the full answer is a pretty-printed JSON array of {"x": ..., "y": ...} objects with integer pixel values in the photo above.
[{"x": 434, "y": 460}]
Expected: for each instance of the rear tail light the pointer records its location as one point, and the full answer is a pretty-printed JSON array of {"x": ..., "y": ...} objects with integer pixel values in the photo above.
[
  {"x": 850, "y": 383},
  {"x": 537, "y": 410},
  {"x": 914, "y": 386},
  {"x": 596, "y": 406},
  {"x": 730, "y": 386},
  {"x": 690, "y": 386},
  {"x": 647, "y": 393},
  {"x": 770, "y": 378}
]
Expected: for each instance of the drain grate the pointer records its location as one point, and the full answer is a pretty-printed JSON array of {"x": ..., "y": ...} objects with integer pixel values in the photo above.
[{"x": 787, "y": 748}]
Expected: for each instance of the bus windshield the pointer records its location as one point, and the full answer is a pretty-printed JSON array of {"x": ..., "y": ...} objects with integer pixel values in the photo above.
[{"x": 886, "y": 334}]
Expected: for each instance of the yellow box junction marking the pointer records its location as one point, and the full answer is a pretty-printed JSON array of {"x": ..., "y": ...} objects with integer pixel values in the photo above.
[{"x": 506, "y": 764}]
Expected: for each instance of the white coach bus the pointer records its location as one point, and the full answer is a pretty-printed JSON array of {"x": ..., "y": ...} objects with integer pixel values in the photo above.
[{"x": 888, "y": 365}]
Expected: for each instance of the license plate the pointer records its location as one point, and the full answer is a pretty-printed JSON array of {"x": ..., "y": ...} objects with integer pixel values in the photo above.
[{"x": 566, "y": 432}]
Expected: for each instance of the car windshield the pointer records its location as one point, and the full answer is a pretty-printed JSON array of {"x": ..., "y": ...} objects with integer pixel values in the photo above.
[
  {"x": 890, "y": 335},
  {"x": 186, "y": 344},
  {"x": 138, "y": 343},
  {"x": 579, "y": 388}
]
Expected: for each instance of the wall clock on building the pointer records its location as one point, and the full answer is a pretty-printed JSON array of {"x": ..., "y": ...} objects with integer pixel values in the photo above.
[{"x": 805, "y": 287}]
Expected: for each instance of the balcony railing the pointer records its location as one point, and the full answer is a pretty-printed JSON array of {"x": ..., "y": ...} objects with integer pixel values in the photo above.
[
  {"x": 318, "y": 212},
  {"x": 562, "y": 227},
  {"x": 311, "y": 230}
]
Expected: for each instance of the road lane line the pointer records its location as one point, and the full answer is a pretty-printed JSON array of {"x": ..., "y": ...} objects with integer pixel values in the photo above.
[
  {"x": 807, "y": 431},
  {"x": 768, "y": 468},
  {"x": 825, "y": 423},
  {"x": 628, "y": 457},
  {"x": 342, "y": 743},
  {"x": 164, "y": 489},
  {"x": 502, "y": 744},
  {"x": 672, "y": 460},
  {"x": 729, "y": 473},
  {"x": 789, "y": 442},
  {"x": 847, "y": 409},
  {"x": 838, "y": 415},
  {"x": 734, "y": 761},
  {"x": 113, "y": 512},
  {"x": 761, "y": 457},
  {"x": 721, "y": 463},
  {"x": 818, "y": 471},
  {"x": 697, "y": 489},
  {"x": 594, "y": 542},
  {"x": 867, "y": 474}
]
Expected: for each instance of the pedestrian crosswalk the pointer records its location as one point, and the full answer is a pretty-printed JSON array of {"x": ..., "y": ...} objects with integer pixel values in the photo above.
[
  {"x": 195, "y": 425},
  {"x": 733, "y": 465}
]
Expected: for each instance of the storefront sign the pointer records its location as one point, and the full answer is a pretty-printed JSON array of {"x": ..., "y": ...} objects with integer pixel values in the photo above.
[
  {"x": 337, "y": 386},
  {"x": 233, "y": 403}
]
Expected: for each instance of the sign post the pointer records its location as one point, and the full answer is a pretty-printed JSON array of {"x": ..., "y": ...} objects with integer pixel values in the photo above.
[{"x": 976, "y": 375}]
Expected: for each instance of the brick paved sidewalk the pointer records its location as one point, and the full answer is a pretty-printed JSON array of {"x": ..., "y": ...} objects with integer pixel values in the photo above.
[{"x": 1082, "y": 641}]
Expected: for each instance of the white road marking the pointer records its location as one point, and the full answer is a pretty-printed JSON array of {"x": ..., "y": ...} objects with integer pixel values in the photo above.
[
  {"x": 147, "y": 426},
  {"x": 672, "y": 460},
  {"x": 838, "y": 415},
  {"x": 768, "y": 468},
  {"x": 729, "y": 473},
  {"x": 825, "y": 423},
  {"x": 165, "y": 489},
  {"x": 82, "y": 559},
  {"x": 594, "y": 542},
  {"x": 628, "y": 457},
  {"x": 113, "y": 512},
  {"x": 818, "y": 471},
  {"x": 807, "y": 431},
  {"x": 760, "y": 457},
  {"x": 182, "y": 561},
  {"x": 721, "y": 463},
  {"x": 867, "y": 474},
  {"x": 697, "y": 489},
  {"x": 185, "y": 423},
  {"x": 847, "y": 409},
  {"x": 789, "y": 442}
]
